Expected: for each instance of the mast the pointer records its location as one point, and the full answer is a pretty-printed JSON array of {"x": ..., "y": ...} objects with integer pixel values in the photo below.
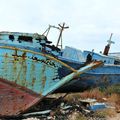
[
  {"x": 107, "y": 47},
  {"x": 61, "y": 28},
  {"x": 48, "y": 30}
]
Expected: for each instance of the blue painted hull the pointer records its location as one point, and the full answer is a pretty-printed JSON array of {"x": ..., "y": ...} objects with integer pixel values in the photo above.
[
  {"x": 38, "y": 66},
  {"x": 32, "y": 70},
  {"x": 100, "y": 77}
]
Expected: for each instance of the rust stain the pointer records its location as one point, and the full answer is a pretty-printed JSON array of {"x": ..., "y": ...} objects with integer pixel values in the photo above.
[
  {"x": 24, "y": 55},
  {"x": 15, "y": 55},
  {"x": 33, "y": 81},
  {"x": 43, "y": 78},
  {"x": 97, "y": 64},
  {"x": 23, "y": 72},
  {"x": 37, "y": 53},
  {"x": 32, "y": 74},
  {"x": 15, "y": 99},
  {"x": 5, "y": 66},
  {"x": 6, "y": 55}
]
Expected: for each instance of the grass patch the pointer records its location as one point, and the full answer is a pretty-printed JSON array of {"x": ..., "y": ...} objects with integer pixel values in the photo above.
[
  {"x": 104, "y": 113},
  {"x": 114, "y": 89}
]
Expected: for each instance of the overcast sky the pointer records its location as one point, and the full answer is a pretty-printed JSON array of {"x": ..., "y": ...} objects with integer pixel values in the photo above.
[{"x": 90, "y": 21}]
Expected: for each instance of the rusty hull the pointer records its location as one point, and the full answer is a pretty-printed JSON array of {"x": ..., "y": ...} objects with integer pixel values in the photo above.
[
  {"x": 25, "y": 75},
  {"x": 15, "y": 99},
  {"x": 23, "y": 71}
]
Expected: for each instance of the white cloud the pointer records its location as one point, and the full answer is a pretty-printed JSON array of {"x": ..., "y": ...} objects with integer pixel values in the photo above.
[{"x": 90, "y": 21}]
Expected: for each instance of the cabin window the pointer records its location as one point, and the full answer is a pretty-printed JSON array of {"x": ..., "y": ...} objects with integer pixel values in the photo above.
[
  {"x": 104, "y": 61},
  {"x": 25, "y": 38},
  {"x": 11, "y": 37},
  {"x": 117, "y": 62}
]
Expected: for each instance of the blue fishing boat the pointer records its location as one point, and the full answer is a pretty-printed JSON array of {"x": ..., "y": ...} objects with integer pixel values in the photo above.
[
  {"x": 30, "y": 69},
  {"x": 106, "y": 75},
  {"x": 103, "y": 76}
]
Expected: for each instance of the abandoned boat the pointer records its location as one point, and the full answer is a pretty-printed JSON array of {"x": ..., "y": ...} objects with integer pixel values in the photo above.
[
  {"x": 106, "y": 75},
  {"x": 30, "y": 69},
  {"x": 103, "y": 76}
]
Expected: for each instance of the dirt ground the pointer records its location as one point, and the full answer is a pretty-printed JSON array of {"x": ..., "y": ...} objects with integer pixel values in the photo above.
[{"x": 117, "y": 117}]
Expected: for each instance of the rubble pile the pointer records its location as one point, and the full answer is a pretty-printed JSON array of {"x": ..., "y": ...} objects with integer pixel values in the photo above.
[
  {"x": 64, "y": 108},
  {"x": 60, "y": 109}
]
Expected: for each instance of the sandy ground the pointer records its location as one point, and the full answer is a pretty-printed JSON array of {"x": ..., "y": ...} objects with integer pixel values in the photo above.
[{"x": 117, "y": 117}]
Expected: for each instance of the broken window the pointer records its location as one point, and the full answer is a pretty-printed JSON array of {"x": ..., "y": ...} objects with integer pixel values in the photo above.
[
  {"x": 25, "y": 38},
  {"x": 11, "y": 37}
]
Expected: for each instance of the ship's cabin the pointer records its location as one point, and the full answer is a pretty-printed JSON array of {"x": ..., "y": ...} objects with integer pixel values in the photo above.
[
  {"x": 88, "y": 56},
  {"x": 34, "y": 41},
  {"x": 105, "y": 59}
]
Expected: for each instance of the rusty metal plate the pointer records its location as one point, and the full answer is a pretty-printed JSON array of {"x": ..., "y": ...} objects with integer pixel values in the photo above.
[{"x": 14, "y": 99}]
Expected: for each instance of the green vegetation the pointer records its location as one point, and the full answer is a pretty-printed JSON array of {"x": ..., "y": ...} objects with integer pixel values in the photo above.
[{"x": 114, "y": 89}]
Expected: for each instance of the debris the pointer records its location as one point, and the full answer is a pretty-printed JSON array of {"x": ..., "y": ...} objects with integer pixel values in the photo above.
[
  {"x": 97, "y": 106},
  {"x": 92, "y": 104},
  {"x": 67, "y": 107},
  {"x": 37, "y": 113},
  {"x": 66, "y": 110},
  {"x": 32, "y": 118}
]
